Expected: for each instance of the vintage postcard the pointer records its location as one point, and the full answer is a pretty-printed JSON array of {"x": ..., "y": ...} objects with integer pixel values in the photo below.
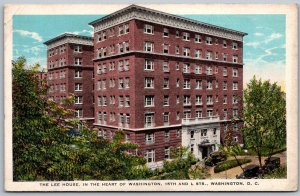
[{"x": 151, "y": 97}]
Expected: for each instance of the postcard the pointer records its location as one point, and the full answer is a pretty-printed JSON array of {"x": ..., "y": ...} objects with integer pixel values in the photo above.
[{"x": 151, "y": 97}]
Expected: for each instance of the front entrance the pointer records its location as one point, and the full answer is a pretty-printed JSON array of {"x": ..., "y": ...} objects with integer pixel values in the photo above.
[{"x": 204, "y": 152}]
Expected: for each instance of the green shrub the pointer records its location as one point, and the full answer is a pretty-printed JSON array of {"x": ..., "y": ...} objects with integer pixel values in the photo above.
[
  {"x": 229, "y": 164},
  {"x": 277, "y": 173}
]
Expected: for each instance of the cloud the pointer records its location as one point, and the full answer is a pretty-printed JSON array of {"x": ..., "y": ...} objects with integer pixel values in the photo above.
[
  {"x": 83, "y": 32},
  {"x": 30, "y": 34},
  {"x": 258, "y": 34},
  {"x": 272, "y": 37},
  {"x": 253, "y": 44}
]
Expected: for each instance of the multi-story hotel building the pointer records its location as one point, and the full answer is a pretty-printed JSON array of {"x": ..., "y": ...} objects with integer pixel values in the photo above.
[
  {"x": 70, "y": 72},
  {"x": 166, "y": 80}
]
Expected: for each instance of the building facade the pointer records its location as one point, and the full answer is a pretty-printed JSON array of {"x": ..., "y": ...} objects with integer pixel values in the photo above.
[
  {"x": 166, "y": 80},
  {"x": 70, "y": 72}
]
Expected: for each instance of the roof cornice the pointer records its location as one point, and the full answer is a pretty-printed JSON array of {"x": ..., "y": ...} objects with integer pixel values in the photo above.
[
  {"x": 69, "y": 38},
  {"x": 153, "y": 16}
]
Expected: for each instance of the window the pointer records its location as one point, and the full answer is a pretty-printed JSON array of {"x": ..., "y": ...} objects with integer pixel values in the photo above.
[
  {"x": 198, "y": 53},
  {"x": 209, "y": 100},
  {"x": 224, "y": 85},
  {"x": 186, "y": 52},
  {"x": 197, "y": 38},
  {"x": 166, "y": 66},
  {"x": 235, "y": 86},
  {"x": 165, "y": 48},
  {"x": 149, "y": 101},
  {"x": 224, "y": 56},
  {"x": 126, "y": 44},
  {"x": 216, "y": 41},
  {"x": 149, "y": 65},
  {"x": 78, "y": 61},
  {"x": 166, "y": 122},
  {"x": 177, "y": 82},
  {"x": 104, "y": 101},
  {"x": 208, "y": 55},
  {"x": 234, "y": 72},
  {"x": 127, "y": 101},
  {"x": 150, "y": 156},
  {"x": 126, "y": 80},
  {"x": 78, "y": 113},
  {"x": 198, "y": 69},
  {"x": 177, "y": 34},
  {"x": 225, "y": 114},
  {"x": 149, "y": 82},
  {"x": 177, "y": 66},
  {"x": 198, "y": 84},
  {"x": 186, "y": 84},
  {"x": 235, "y": 59},
  {"x": 216, "y": 55},
  {"x": 204, "y": 132},
  {"x": 198, "y": 114},
  {"x": 234, "y": 99},
  {"x": 98, "y": 85},
  {"x": 126, "y": 26},
  {"x": 78, "y": 87},
  {"x": 166, "y": 32},
  {"x": 235, "y": 127},
  {"x": 121, "y": 101},
  {"x": 209, "y": 112},
  {"x": 208, "y": 40},
  {"x": 225, "y": 99},
  {"x": 235, "y": 112},
  {"x": 149, "y": 119},
  {"x": 166, "y": 100},
  {"x": 121, "y": 30},
  {"x": 103, "y": 84},
  {"x": 234, "y": 45},
  {"x": 149, "y": 46},
  {"x": 150, "y": 138},
  {"x": 192, "y": 134},
  {"x": 224, "y": 71},
  {"x": 177, "y": 115},
  {"x": 78, "y": 99},
  {"x": 77, "y": 48},
  {"x": 209, "y": 70},
  {"x": 235, "y": 139},
  {"x": 177, "y": 49},
  {"x": 126, "y": 65},
  {"x": 177, "y": 99},
  {"x": 166, "y": 83},
  {"x": 120, "y": 48},
  {"x": 186, "y": 36},
  {"x": 186, "y": 114},
  {"x": 198, "y": 100},
  {"x": 99, "y": 101},
  {"x": 192, "y": 148},
  {"x": 148, "y": 29},
  {"x": 120, "y": 66},
  {"x": 167, "y": 152},
  {"x": 209, "y": 85},
  {"x": 224, "y": 44},
  {"x": 225, "y": 128},
  {"x": 186, "y": 68},
  {"x": 186, "y": 100}
]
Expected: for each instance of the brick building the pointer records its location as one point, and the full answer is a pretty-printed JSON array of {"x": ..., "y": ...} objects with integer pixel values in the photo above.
[
  {"x": 166, "y": 80},
  {"x": 70, "y": 71}
]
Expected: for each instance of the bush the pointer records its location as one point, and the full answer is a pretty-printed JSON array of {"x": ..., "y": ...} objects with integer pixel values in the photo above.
[
  {"x": 230, "y": 164},
  {"x": 277, "y": 173}
]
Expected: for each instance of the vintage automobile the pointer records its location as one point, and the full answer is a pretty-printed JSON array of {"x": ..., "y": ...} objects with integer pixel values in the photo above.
[
  {"x": 250, "y": 171},
  {"x": 271, "y": 164},
  {"x": 214, "y": 158}
]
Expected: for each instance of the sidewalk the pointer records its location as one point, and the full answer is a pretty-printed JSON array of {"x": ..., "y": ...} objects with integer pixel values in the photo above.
[{"x": 231, "y": 173}]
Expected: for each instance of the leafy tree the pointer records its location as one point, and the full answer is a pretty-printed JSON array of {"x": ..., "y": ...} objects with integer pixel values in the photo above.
[
  {"x": 264, "y": 117},
  {"x": 43, "y": 149}
]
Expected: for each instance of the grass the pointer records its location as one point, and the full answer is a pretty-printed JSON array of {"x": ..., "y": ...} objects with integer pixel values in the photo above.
[
  {"x": 277, "y": 173},
  {"x": 223, "y": 166}
]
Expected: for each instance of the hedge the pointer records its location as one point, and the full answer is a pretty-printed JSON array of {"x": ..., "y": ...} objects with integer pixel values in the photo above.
[{"x": 229, "y": 164}]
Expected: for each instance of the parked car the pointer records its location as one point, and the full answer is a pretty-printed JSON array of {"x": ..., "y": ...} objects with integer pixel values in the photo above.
[
  {"x": 271, "y": 164},
  {"x": 250, "y": 171},
  {"x": 214, "y": 158}
]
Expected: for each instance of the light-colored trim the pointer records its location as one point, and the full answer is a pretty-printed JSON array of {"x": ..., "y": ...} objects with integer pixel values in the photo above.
[
  {"x": 138, "y": 129},
  {"x": 72, "y": 40}
]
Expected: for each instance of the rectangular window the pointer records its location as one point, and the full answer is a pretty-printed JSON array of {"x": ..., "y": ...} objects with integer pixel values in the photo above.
[
  {"x": 199, "y": 114},
  {"x": 216, "y": 55},
  {"x": 121, "y": 101},
  {"x": 120, "y": 66},
  {"x": 225, "y": 114},
  {"x": 235, "y": 128},
  {"x": 209, "y": 70},
  {"x": 235, "y": 112},
  {"x": 78, "y": 99},
  {"x": 149, "y": 101},
  {"x": 149, "y": 82},
  {"x": 234, "y": 45},
  {"x": 224, "y": 71},
  {"x": 78, "y": 87},
  {"x": 235, "y": 59},
  {"x": 198, "y": 84},
  {"x": 225, "y": 99},
  {"x": 121, "y": 30},
  {"x": 186, "y": 52},
  {"x": 150, "y": 156},
  {"x": 167, "y": 152},
  {"x": 234, "y": 72},
  {"x": 224, "y": 85},
  {"x": 198, "y": 53},
  {"x": 126, "y": 27},
  {"x": 127, "y": 101},
  {"x": 198, "y": 69},
  {"x": 186, "y": 84},
  {"x": 192, "y": 134},
  {"x": 148, "y": 29},
  {"x": 234, "y": 99},
  {"x": 208, "y": 40},
  {"x": 209, "y": 100},
  {"x": 77, "y": 48},
  {"x": 186, "y": 68},
  {"x": 78, "y": 61},
  {"x": 166, "y": 83},
  {"x": 177, "y": 49},
  {"x": 209, "y": 85},
  {"x": 177, "y": 115},
  {"x": 78, "y": 113},
  {"x": 165, "y": 48},
  {"x": 104, "y": 101},
  {"x": 224, "y": 56},
  {"x": 186, "y": 100},
  {"x": 204, "y": 132},
  {"x": 126, "y": 81},
  {"x": 208, "y": 55},
  {"x": 166, "y": 32},
  {"x": 126, "y": 44},
  {"x": 192, "y": 148},
  {"x": 224, "y": 44},
  {"x": 186, "y": 36},
  {"x": 177, "y": 65},
  {"x": 198, "y": 100},
  {"x": 149, "y": 120},
  {"x": 166, "y": 100},
  {"x": 99, "y": 101},
  {"x": 186, "y": 114},
  {"x": 166, "y": 66},
  {"x": 235, "y": 86},
  {"x": 177, "y": 99},
  {"x": 166, "y": 122},
  {"x": 197, "y": 38},
  {"x": 209, "y": 112},
  {"x": 126, "y": 65},
  {"x": 120, "y": 48},
  {"x": 149, "y": 46},
  {"x": 177, "y": 34},
  {"x": 149, "y": 65}
]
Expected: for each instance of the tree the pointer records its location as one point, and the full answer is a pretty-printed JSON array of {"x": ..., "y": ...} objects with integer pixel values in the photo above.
[
  {"x": 264, "y": 117},
  {"x": 43, "y": 149}
]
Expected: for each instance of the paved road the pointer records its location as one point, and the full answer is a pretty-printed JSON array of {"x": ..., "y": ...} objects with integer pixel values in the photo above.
[{"x": 231, "y": 173}]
